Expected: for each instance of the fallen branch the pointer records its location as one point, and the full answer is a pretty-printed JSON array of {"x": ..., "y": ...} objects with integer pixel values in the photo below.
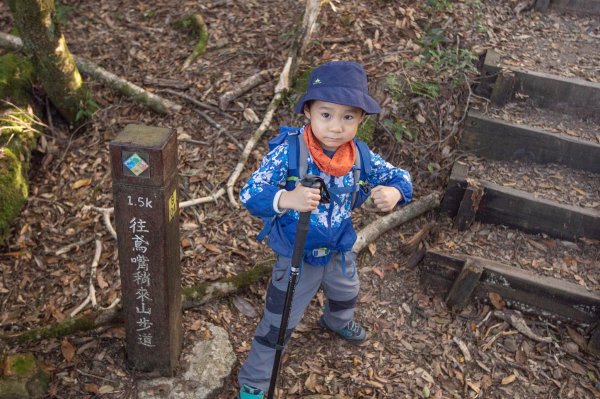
[
  {"x": 124, "y": 87},
  {"x": 200, "y": 104},
  {"x": 515, "y": 319},
  {"x": 371, "y": 232},
  {"x": 70, "y": 247},
  {"x": 193, "y": 296},
  {"x": 92, "y": 290},
  {"x": 200, "y": 47},
  {"x": 311, "y": 12},
  {"x": 248, "y": 84},
  {"x": 106, "y": 212}
]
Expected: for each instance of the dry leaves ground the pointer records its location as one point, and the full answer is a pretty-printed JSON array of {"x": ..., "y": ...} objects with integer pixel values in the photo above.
[{"x": 414, "y": 347}]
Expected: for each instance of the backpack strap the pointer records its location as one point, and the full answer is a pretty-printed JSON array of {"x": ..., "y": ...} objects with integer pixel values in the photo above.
[
  {"x": 362, "y": 167},
  {"x": 297, "y": 156}
]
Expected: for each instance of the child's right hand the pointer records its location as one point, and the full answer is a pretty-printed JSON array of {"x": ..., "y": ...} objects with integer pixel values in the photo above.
[{"x": 301, "y": 199}]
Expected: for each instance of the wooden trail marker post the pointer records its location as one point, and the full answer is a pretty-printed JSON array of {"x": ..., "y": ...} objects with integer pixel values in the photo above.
[{"x": 144, "y": 172}]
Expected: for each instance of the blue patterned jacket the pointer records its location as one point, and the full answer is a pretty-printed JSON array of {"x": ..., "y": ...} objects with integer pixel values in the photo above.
[{"x": 330, "y": 224}]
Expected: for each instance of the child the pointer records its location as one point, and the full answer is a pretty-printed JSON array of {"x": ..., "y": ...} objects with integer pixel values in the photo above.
[{"x": 335, "y": 104}]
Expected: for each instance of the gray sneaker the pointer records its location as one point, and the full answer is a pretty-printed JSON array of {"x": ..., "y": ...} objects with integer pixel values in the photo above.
[{"x": 351, "y": 332}]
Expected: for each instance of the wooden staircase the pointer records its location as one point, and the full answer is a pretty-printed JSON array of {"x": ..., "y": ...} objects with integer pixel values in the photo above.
[{"x": 470, "y": 198}]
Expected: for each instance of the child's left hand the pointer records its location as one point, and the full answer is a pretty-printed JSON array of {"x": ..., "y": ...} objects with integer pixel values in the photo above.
[{"x": 385, "y": 198}]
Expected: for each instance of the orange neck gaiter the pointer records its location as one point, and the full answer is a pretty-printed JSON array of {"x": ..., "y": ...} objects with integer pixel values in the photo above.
[{"x": 341, "y": 162}]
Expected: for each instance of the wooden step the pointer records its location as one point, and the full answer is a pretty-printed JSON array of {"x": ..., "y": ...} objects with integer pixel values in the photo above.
[
  {"x": 576, "y": 96},
  {"x": 519, "y": 209},
  {"x": 521, "y": 289},
  {"x": 495, "y": 139}
]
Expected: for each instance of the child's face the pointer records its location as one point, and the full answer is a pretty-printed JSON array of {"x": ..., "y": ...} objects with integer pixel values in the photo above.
[{"x": 333, "y": 124}]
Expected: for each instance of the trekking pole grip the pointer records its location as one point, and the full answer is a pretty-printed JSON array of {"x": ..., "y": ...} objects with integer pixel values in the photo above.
[{"x": 303, "y": 222}]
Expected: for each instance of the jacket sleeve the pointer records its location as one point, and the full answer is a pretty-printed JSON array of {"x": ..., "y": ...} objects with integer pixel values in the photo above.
[
  {"x": 259, "y": 191},
  {"x": 385, "y": 174}
]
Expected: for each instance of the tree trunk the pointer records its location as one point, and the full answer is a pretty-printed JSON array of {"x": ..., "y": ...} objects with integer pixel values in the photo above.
[
  {"x": 53, "y": 63},
  {"x": 18, "y": 137}
]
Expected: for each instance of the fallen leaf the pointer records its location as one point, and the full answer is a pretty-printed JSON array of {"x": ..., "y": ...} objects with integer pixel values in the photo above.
[
  {"x": 81, "y": 183},
  {"x": 101, "y": 281},
  {"x": 508, "y": 379},
  {"x": 497, "y": 300},
  {"x": 196, "y": 325},
  {"x": 211, "y": 248},
  {"x": 378, "y": 271},
  {"x": 67, "y": 350},
  {"x": 250, "y": 115},
  {"x": 93, "y": 388},
  {"x": 372, "y": 248},
  {"x": 311, "y": 382},
  {"x": 105, "y": 389}
]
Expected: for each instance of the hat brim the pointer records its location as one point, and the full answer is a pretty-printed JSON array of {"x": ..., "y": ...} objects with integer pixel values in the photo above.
[{"x": 339, "y": 95}]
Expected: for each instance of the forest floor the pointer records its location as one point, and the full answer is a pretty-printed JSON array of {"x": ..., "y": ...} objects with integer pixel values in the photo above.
[{"x": 418, "y": 58}]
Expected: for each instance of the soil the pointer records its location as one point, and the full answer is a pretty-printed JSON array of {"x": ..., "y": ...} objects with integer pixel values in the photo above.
[{"x": 412, "y": 350}]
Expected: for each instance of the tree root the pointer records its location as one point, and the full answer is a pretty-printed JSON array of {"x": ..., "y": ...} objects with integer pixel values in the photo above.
[{"x": 200, "y": 47}]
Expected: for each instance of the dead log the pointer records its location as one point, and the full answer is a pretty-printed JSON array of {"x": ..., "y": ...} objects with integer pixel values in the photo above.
[
  {"x": 371, "y": 232},
  {"x": 121, "y": 85}
]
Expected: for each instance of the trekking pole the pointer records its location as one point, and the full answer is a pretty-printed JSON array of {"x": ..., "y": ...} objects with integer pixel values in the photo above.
[{"x": 301, "y": 232}]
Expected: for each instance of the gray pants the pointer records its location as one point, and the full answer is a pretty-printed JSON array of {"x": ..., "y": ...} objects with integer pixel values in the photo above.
[{"x": 340, "y": 285}]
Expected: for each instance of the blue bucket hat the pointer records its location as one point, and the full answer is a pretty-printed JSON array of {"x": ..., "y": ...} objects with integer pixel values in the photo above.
[{"x": 339, "y": 82}]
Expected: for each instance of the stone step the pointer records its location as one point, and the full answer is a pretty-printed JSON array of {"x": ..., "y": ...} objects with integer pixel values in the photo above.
[
  {"x": 471, "y": 199},
  {"x": 571, "y": 95},
  {"x": 495, "y": 139},
  {"x": 521, "y": 289}
]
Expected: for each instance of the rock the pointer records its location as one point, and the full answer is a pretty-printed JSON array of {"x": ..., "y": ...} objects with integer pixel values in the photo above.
[
  {"x": 203, "y": 370},
  {"x": 22, "y": 378}
]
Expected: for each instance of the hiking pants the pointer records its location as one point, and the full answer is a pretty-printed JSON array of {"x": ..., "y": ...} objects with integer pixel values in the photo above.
[{"x": 340, "y": 285}]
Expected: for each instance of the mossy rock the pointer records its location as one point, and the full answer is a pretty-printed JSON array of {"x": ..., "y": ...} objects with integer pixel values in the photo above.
[
  {"x": 16, "y": 144},
  {"x": 23, "y": 378},
  {"x": 366, "y": 130},
  {"x": 16, "y": 76}
]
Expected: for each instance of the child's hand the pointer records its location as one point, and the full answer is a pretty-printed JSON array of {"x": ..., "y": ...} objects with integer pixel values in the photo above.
[
  {"x": 385, "y": 198},
  {"x": 301, "y": 199}
]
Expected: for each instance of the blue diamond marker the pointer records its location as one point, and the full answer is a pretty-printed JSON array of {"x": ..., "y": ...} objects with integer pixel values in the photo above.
[{"x": 136, "y": 165}]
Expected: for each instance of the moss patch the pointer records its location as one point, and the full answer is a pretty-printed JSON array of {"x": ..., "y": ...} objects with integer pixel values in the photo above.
[
  {"x": 16, "y": 75},
  {"x": 22, "y": 377},
  {"x": 17, "y": 139}
]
